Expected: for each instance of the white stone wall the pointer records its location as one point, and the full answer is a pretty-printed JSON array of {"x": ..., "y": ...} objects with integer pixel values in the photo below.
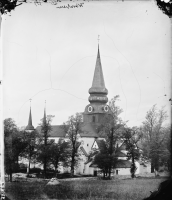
[
  {"x": 138, "y": 167},
  {"x": 89, "y": 170},
  {"x": 80, "y": 168},
  {"x": 122, "y": 171},
  {"x": 146, "y": 169},
  {"x": 87, "y": 143}
]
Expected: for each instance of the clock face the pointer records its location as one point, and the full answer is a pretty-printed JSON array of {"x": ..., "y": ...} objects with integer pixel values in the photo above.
[
  {"x": 106, "y": 108},
  {"x": 90, "y": 108}
]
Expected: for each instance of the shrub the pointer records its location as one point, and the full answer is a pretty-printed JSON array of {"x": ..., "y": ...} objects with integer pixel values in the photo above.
[{"x": 35, "y": 170}]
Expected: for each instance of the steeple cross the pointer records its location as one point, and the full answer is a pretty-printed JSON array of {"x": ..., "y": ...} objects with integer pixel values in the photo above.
[{"x": 98, "y": 38}]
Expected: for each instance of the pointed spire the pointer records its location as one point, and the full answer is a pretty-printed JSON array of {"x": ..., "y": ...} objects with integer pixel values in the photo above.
[
  {"x": 30, "y": 127},
  {"x": 44, "y": 118},
  {"x": 98, "y": 84}
]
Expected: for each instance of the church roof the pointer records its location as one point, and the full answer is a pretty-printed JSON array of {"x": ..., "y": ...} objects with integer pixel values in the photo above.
[
  {"x": 123, "y": 164},
  {"x": 84, "y": 152},
  {"x": 30, "y": 126},
  {"x": 120, "y": 154},
  {"x": 99, "y": 142},
  {"x": 57, "y": 131},
  {"x": 89, "y": 130},
  {"x": 122, "y": 147},
  {"x": 98, "y": 84}
]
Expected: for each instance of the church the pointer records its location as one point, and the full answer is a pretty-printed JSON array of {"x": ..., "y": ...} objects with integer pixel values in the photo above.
[{"x": 89, "y": 136}]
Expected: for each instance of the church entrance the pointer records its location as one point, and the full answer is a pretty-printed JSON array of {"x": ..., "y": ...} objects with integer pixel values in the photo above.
[{"x": 95, "y": 172}]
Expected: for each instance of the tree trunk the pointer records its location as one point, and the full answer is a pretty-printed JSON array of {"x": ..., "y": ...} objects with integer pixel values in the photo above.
[
  {"x": 72, "y": 164},
  {"x": 152, "y": 167},
  {"x": 45, "y": 167},
  {"x": 133, "y": 170},
  {"x": 104, "y": 174},
  {"x": 109, "y": 173},
  {"x": 11, "y": 176},
  {"x": 56, "y": 167},
  {"x": 29, "y": 166}
]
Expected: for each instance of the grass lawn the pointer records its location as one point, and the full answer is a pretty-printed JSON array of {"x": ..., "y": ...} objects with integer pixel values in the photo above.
[{"x": 128, "y": 189}]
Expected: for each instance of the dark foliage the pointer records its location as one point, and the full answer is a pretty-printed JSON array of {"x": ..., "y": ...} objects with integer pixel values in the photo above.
[
  {"x": 14, "y": 146},
  {"x": 72, "y": 129},
  {"x": 8, "y": 5},
  {"x": 165, "y": 7},
  {"x": 131, "y": 138},
  {"x": 164, "y": 191}
]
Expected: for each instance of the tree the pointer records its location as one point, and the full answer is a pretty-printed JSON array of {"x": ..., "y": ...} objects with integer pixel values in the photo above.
[
  {"x": 59, "y": 153},
  {"x": 29, "y": 152},
  {"x": 103, "y": 159},
  {"x": 44, "y": 143},
  {"x": 72, "y": 129},
  {"x": 131, "y": 138},
  {"x": 166, "y": 155},
  {"x": 14, "y": 146},
  {"x": 154, "y": 134},
  {"x": 111, "y": 126}
]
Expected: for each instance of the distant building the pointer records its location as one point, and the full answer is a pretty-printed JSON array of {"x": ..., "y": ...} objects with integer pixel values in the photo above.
[{"x": 90, "y": 137}]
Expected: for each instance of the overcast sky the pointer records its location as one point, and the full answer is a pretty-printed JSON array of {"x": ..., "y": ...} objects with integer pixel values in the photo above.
[{"x": 50, "y": 54}]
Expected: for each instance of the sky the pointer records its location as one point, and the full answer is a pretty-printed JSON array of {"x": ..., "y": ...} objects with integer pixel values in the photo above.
[{"x": 49, "y": 54}]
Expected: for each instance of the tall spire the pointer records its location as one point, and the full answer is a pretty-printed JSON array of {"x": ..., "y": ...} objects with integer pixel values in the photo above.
[
  {"x": 30, "y": 127},
  {"x": 98, "y": 85}
]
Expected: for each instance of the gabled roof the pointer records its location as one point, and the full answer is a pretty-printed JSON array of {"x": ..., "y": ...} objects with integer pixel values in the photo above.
[
  {"x": 122, "y": 147},
  {"x": 93, "y": 165},
  {"x": 57, "y": 131},
  {"x": 88, "y": 161},
  {"x": 120, "y": 154},
  {"x": 99, "y": 142},
  {"x": 123, "y": 164},
  {"x": 84, "y": 152}
]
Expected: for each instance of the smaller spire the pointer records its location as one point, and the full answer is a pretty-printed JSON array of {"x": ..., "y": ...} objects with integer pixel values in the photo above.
[
  {"x": 44, "y": 118},
  {"x": 30, "y": 127}
]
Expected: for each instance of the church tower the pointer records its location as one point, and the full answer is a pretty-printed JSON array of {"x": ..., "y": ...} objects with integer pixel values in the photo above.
[{"x": 97, "y": 108}]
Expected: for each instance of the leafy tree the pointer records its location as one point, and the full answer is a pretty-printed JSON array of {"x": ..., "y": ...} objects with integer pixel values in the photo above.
[
  {"x": 111, "y": 127},
  {"x": 103, "y": 159},
  {"x": 166, "y": 155},
  {"x": 154, "y": 134},
  {"x": 29, "y": 152},
  {"x": 131, "y": 138},
  {"x": 59, "y": 153},
  {"x": 72, "y": 129},
  {"x": 14, "y": 146},
  {"x": 44, "y": 143}
]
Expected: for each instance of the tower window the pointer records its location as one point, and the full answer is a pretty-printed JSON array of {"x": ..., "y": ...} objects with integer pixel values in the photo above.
[{"x": 94, "y": 119}]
